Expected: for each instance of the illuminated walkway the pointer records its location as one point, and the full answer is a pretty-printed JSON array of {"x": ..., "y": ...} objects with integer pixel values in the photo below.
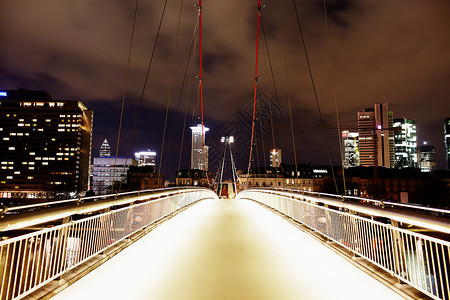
[{"x": 227, "y": 249}]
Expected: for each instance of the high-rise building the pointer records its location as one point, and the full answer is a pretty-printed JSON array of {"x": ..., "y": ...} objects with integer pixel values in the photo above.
[
  {"x": 105, "y": 149},
  {"x": 199, "y": 154},
  {"x": 45, "y": 146},
  {"x": 145, "y": 158},
  {"x": 109, "y": 171},
  {"x": 275, "y": 158},
  {"x": 376, "y": 137},
  {"x": 405, "y": 143},
  {"x": 427, "y": 157},
  {"x": 447, "y": 140},
  {"x": 350, "y": 141}
]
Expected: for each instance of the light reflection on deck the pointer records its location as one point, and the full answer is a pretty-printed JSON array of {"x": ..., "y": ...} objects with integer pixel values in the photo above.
[{"x": 227, "y": 249}]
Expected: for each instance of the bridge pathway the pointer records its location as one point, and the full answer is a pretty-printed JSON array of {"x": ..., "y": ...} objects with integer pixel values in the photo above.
[{"x": 227, "y": 249}]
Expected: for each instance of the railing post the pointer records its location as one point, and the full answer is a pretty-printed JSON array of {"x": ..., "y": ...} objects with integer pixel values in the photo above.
[{"x": 399, "y": 251}]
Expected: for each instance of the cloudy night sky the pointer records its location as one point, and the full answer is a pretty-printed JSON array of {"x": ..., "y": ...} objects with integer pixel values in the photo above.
[{"x": 383, "y": 51}]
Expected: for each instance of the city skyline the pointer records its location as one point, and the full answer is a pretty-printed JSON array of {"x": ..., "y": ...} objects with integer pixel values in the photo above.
[{"x": 379, "y": 55}]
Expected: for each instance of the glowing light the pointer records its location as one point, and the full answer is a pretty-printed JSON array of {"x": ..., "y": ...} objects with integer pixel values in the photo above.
[{"x": 3, "y": 94}]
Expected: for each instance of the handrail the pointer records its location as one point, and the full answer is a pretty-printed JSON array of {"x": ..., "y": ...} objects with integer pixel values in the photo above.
[
  {"x": 30, "y": 261},
  {"x": 415, "y": 218},
  {"x": 48, "y": 214},
  {"x": 414, "y": 258}
]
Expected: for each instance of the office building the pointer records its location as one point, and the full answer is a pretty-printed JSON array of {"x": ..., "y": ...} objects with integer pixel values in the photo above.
[
  {"x": 376, "y": 137},
  {"x": 45, "y": 145},
  {"x": 405, "y": 143},
  {"x": 199, "y": 153},
  {"x": 350, "y": 142},
  {"x": 145, "y": 158},
  {"x": 109, "y": 171},
  {"x": 275, "y": 158},
  {"x": 427, "y": 157},
  {"x": 447, "y": 140},
  {"x": 105, "y": 149}
]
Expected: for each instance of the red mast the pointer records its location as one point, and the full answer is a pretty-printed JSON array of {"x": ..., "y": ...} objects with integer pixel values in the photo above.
[{"x": 256, "y": 89}]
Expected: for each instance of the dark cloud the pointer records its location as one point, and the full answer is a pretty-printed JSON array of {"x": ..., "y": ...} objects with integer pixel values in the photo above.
[{"x": 395, "y": 52}]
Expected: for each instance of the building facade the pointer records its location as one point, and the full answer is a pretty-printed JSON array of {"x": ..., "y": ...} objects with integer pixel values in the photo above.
[
  {"x": 199, "y": 153},
  {"x": 427, "y": 157},
  {"x": 275, "y": 158},
  {"x": 350, "y": 142},
  {"x": 45, "y": 148},
  {"x": 144, "y": 178},
  {"x": 405, "y": 143},
  {"x": 145, "y": 158},
  {"x": 376, "y": 137},
  {"x": 109, "y": 171}
]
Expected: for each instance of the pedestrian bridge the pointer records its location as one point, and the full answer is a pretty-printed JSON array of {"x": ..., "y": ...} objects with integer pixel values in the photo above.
[{"x": 188, "y": 244}]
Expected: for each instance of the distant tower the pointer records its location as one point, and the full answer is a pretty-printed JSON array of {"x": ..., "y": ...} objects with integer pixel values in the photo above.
[
  {"x": 405, "y": 142},
  {"x": 199, "y": 156},
  {"x": 427, "y": 157},
  {"x": 275, "y": 158},
  {"x": 145, "y": 158},
  {"x": 350, "y": 143},
  {"x": 105, "y": 150},
  {"x": 447, "y": 140},
  {"x": 376, "y": 137}
]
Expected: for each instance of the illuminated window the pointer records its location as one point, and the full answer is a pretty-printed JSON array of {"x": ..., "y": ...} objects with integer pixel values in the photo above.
[
  {"x": 30, "y": 177},
  {"x": 20, "y": 124},
  {"x": 24, "y": 163},
  {"x": 53, "y": 139},
  {"x": 6, "y": 138},
  {"x": 12, "y": 134},
  {"x": 60, "y": 129},
  {"x": 12, "y": 148},
  {"x": 9, "y": 177},
  {"x": 20, "y": 134},
  {"x": 48, "y": 120},
  {"x": 32, "y": 153},
  {"x": 34, "y": 120},
  {"x": 16, "y": 172},
  {"x": 44, "y": 163},
  {"x": 31, "y": 168},
  {"x": 21, "y": 120},
  {"x": 62, "y": 116},
  {"x": 4, "y": 168}
]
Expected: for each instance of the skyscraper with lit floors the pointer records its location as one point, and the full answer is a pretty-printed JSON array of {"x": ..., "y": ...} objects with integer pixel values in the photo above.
[
  {"x": 199, "y": 154},
  {"x": 45, "y": 147},
  {"x": 405, "y": 143},
  {"x": 376, "y": 137}
]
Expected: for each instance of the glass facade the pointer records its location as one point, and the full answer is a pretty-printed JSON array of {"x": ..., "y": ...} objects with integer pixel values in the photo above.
[{"x": 405, "y": 143}]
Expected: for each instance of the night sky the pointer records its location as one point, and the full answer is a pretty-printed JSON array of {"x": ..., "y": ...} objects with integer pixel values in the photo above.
[{"x": 383, "y": 51}]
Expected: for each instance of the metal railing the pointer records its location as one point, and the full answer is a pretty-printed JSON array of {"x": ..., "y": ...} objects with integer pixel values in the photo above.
[
  {"x": 30, "y": 261},
  {"x": 416, "y": 259}
]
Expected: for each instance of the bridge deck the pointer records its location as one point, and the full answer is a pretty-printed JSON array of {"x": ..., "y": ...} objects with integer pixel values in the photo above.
[{"x": 227, "y": 249}]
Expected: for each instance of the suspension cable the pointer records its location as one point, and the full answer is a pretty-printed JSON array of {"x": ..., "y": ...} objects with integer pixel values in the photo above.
[
  {"x": 290, "y": 115},
  {"x": 191, "y": 56},
  {"x": 256, "y": 87},
  {"x": 124, "y": 91},
  {"x": 172, "y": 72},
  {"x": 201, "y": 84},
  {"x": 334, "y": 94},
  {"x": 315, "y": 94}
]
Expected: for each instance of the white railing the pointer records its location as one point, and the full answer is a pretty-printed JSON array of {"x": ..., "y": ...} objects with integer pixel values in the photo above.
[
  {"x": 30, "y": 261},
  {"x": 416, "y": 259}
]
